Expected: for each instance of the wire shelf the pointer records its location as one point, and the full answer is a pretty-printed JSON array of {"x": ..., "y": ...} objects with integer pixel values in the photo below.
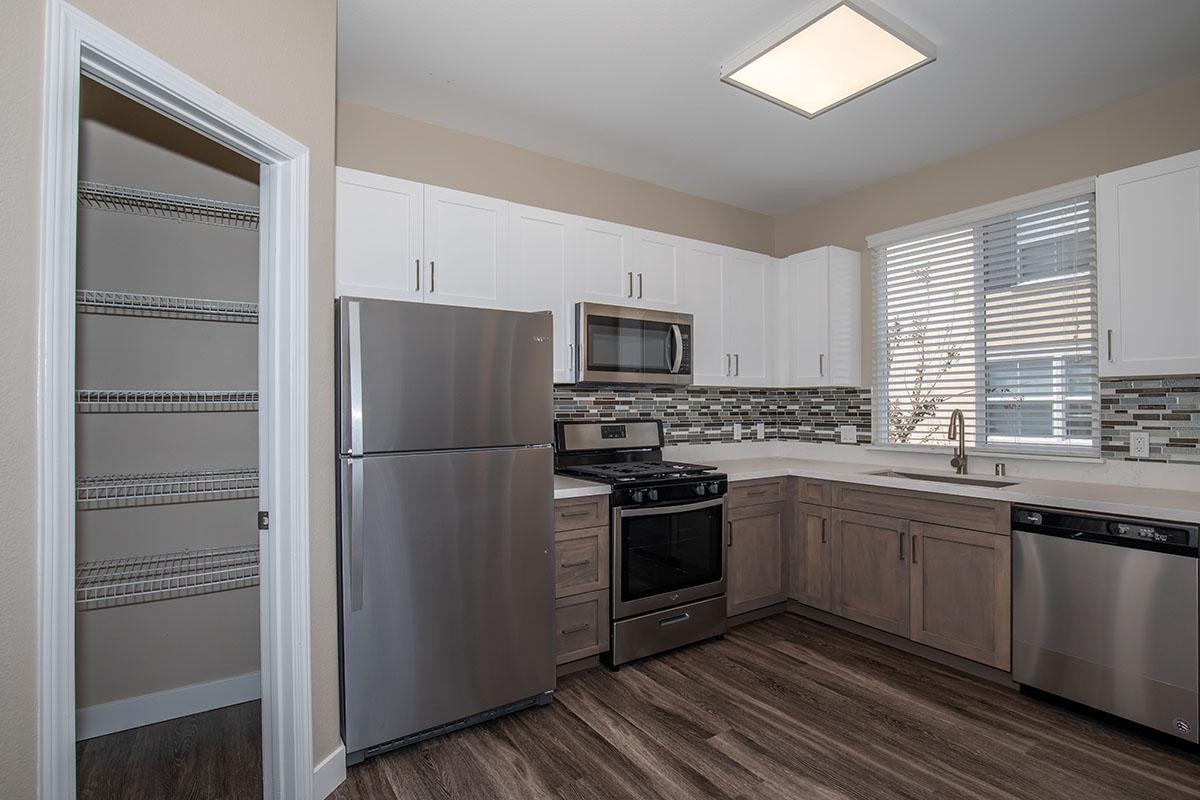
[
  {"x": 150, "y": 401},
  {"x": 142, "y": 579},
  {"x": 177, "y": 207},
  {"x": 161, "y": 488},
  {"x": 131, "y": 304}
]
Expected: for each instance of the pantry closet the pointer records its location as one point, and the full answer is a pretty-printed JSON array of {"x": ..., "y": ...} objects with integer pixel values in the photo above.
[{"x": 167, "y": 449}]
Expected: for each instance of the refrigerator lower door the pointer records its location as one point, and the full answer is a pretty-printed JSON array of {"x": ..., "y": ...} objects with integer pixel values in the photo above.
[{"x": 447, "y": 582}]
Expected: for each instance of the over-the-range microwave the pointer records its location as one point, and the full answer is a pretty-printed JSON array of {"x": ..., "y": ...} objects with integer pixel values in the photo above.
[{"x": 620, "y": 344}]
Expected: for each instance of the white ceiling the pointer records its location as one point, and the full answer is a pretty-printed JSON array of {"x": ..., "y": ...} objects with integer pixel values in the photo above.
[{"x": 632, "y": 86}]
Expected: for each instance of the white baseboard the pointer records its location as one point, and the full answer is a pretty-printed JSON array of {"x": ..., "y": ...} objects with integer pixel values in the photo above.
[
  {"x": 146, "y": 709},
  {"x": 329, "y": 774}
]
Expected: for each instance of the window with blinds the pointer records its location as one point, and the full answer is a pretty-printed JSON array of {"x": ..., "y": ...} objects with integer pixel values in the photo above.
[{"x": 995, "y": 318}]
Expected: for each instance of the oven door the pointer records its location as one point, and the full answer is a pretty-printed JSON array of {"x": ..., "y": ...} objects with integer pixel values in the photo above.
[
  {"x": 634, "y": 345},
  {"x": 667, "y": 555}
]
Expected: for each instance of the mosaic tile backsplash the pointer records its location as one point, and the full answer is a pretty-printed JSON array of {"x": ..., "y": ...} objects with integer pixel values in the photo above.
[
  {"x": 706, "y": 414},
  {"x": 1169, "y": 408}
]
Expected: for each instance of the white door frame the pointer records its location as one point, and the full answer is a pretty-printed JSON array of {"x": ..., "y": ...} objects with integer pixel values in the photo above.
[{"x": 75, "y": 44}]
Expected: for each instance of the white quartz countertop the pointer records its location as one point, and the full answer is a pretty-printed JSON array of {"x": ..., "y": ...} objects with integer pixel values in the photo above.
[
  {"x": 1133, "y": 501},
  {"x": 1101, "y": 498}
]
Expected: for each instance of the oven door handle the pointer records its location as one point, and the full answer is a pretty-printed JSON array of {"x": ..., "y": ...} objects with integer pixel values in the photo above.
[
  {"x": 678, "y": 362},
  {"x": 670, "y": 509}
]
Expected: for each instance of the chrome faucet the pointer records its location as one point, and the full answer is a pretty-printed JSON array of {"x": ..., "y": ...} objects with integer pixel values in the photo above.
[{"x": 958, "y": 428}]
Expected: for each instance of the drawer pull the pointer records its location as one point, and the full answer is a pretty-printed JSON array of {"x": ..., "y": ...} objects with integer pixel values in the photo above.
[
  {"x": 675, "y": 620},
  {"x": 755, "y": 492},
  {"x": 575, "y": 629},
  {"x": 583, "y": 512},
  {"x": 565, "y": 564}
]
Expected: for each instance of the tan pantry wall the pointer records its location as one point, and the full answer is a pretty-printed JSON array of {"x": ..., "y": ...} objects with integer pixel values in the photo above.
[
  {"x": 275, "y": 58},
  {"x": 390, "y": 144},
  {"x": 1161, "y": 122}
]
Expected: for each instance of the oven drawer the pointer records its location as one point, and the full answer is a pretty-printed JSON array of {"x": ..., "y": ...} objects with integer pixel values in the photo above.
[
  {"x": 580, "y": 561},
  {"x": 752, "y": 493},
  {"x": 581, "y": 512},
  {"x": 581, "y": 626},
  {"x": 638, "y": 637}
]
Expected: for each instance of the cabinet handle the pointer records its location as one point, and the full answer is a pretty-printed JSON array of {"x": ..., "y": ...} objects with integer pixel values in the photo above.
[
  {"x": 756, "y": 492},
  {"x": 729, "y": 540},
  {"x": 418, "y": 274},
  {"x": 914, "y": 548},
  {"x": 630, "y": 284},
  {"x": 821, "y": 365},
  {"x": 1110, "y": 352},
  {"x": 641, "y": 276},
  {"x": 737, "y": 364},
  {"x": 432, "y": 274},
  {"x": 823, "y": 534},
  {"x": 728, "y": 365},
  {"x": 566, "y": 564},
  {"x": 583, "y": 512},
  {"x": 902, "y": 544},
  {"x": 575, "y": 629}
]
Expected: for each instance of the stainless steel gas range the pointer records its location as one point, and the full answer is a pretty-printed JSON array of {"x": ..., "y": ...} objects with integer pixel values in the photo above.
[{"x": 668, "y": 547}]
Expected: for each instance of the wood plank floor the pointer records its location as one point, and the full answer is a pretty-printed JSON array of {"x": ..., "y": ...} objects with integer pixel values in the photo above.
[
  {"x": 783, "y": 708},
  {"x": 217, "y": 754}
]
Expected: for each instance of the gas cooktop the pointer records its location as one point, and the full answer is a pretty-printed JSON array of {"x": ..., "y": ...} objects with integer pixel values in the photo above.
[{"x": 632, "y": 471}]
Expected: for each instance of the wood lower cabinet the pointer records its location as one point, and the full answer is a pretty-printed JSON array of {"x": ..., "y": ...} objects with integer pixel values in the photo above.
[
  {"x": 581, "y": 626},
  {"x": 871, "y": 570},
  {"x": 960, "y": 593},
  {"x": 581, "y": 577},
  {"x": 756, "y": 567},
  {"x": 810, "y": 557}
]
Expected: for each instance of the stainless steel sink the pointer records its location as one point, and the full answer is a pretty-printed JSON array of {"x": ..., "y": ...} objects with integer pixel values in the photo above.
[{"x": 965, "y": 479}]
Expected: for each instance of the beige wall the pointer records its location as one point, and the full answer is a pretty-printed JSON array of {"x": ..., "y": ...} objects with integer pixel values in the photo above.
[
  {"x": 1152, "y": 125},
  {"x": 378, "y": 141},
  {"x": 275, "y": 58}
]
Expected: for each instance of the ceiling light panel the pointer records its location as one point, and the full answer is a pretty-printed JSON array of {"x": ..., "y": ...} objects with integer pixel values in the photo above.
[{"x": 833, "y": 52}]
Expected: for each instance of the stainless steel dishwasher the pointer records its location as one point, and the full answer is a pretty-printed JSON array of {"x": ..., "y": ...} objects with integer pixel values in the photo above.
[{"x": 1105, "y": 614}]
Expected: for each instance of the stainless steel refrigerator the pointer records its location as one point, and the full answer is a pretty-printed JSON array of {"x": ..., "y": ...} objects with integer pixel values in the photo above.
[{"x": 445, "y": 518}]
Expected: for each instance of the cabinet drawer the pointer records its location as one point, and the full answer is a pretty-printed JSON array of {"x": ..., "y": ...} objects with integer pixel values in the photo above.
[
  {"x": 581, "y": 512},
  {"x": 971, "y": 513},
  {"x": 580, "y": 561},
  {"x": 753, "y": 493},
  {"x": 815, "y": 493},
  {"x": 581, "y": 626}
]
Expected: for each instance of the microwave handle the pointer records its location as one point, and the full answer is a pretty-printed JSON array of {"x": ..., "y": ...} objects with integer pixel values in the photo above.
[{"x": 678, "y": 362}]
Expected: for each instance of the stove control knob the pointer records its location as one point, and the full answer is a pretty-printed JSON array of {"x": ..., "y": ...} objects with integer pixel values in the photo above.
[
  {"x": 653, "y": 495},
  {"x": 700, "y": 489},
  {"x": 638, "y": 495},
  {"x": 714, "y": 488}
]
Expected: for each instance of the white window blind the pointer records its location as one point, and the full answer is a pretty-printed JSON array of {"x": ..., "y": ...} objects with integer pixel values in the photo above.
[{"x": 995, "y": 318}]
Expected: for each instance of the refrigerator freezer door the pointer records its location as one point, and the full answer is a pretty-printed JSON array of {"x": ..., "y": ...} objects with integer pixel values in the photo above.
[
  {"x": 457, "y": 582},
  {"x": 428, "y": 377}
]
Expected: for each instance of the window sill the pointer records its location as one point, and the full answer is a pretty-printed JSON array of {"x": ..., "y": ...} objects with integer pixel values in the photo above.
[{"x": 990, "y": 455}]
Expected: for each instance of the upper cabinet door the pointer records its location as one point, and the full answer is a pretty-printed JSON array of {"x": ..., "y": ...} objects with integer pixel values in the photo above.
[
  {"x": 379, "y": 236},
  {"x": 705, "y": 299},
  {"x": 1148, "y": 229},
  {"x": 808, "y": 290},
  {"x": 466, "y": 238},
  {"x": 843, "y": 365},
  {"x": 603, "y": 262},
  {"x": 747, "y": 309},
  {"x": 541, "y": 248},
  {"x": 658, "y": 268}
]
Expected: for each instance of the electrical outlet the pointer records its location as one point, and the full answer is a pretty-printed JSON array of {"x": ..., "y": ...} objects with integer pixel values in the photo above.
[
  {"x": 737, "y": 431},
  {"x": 760, "y": 430},
  {"x": 849, "y": 433},
  {"x": 1139, "y": 444}
]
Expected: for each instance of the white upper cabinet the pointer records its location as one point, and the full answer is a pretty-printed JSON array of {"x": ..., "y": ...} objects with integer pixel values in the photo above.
[
  {"x": 821, "y": 306},
  {"x": 747, "y": 308},
  {"x": 379, "y": 236},
  {"x": 466, "y": 236},
  {"x": 705, "y": 299},
  {"x": 541, "y": 246},
  {"x": 603, "y": 272},
  {"x": 658, "y": 269},
  {"x": 1148, "y": 241}
]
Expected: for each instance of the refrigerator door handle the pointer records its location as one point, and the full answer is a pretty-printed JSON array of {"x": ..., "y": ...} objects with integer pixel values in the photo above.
[
  {"x": 354, "y": 535},
  {"x": 356, "y": 394}
]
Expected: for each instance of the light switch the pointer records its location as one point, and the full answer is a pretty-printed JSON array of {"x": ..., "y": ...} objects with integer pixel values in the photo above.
[
  {"x": 1139, "y": 444},
  {"x": 760, "y": 430},
  {"x": 849, "y": 433}
]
